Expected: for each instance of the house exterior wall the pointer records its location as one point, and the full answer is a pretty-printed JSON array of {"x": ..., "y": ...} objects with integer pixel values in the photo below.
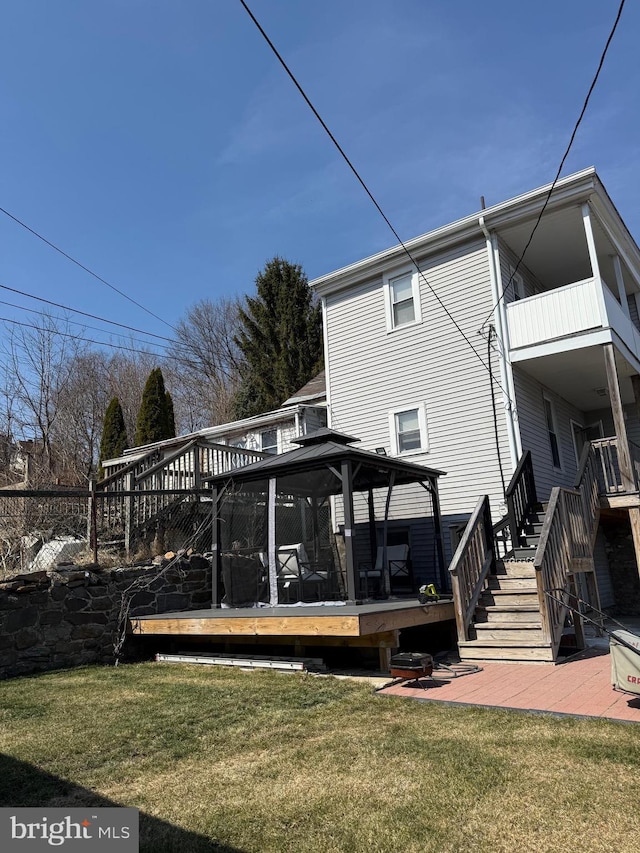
[
  {"x": 374, "y": 371},
  {"x": 534, "y": 435}
]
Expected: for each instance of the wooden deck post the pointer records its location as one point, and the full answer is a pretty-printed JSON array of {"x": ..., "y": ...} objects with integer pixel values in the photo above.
[
  {"x": 128, "y": 512},
  {"x": 634, "y": 520},
  {"x": 624, "y": 455},
  {"x": 349, "y": 532}
]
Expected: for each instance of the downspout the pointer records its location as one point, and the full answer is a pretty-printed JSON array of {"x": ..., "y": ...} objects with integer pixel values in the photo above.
[{"x": 506, "y": 376}]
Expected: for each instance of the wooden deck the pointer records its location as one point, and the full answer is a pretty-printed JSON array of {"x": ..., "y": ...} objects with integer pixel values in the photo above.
[{"x": 324, "y": 621}]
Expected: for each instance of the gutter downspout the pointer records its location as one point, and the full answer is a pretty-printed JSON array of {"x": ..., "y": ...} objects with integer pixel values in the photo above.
[{"x": 506, "y": 374}]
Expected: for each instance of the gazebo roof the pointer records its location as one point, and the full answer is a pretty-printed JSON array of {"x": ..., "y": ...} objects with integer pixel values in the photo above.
[{"x": 326, "y": 449}]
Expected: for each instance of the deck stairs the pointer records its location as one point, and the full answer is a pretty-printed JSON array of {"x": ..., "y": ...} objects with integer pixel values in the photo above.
[{"x": 507, "y": 624}]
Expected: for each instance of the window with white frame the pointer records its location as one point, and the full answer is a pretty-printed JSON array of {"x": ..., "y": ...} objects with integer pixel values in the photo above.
[
  {"x": 552, "y": 431},
  {"x": 269, "y": 441},
  {"x": 402, "y": 299},
  {"x": 517, "y": 285},
  {"x": 408, "y": 428}
]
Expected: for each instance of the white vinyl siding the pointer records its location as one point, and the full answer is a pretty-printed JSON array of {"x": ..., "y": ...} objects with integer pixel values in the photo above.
[
  {"x": 535, "y": 437},
  {"x": 429, "y": 362}
]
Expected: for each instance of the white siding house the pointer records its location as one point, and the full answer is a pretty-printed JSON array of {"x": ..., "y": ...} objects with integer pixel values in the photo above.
[
  {"x": 268, "y": 433},
  {"x": 434, "y": 358}
]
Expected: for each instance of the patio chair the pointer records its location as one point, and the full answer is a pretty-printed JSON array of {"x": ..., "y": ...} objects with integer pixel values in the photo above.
[
  {"x": 400, "y": 571},
  {"x": 296, "y": 572},
  {"x": 244, "y": 580}
]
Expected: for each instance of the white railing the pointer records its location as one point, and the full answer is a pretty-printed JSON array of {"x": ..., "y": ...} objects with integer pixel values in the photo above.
[{"x": 576, "y": 308}]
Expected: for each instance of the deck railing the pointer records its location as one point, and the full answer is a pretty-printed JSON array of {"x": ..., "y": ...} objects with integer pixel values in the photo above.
[
  {"x": 472, "y": 562},
  {"x": 149, "y": 486},
  {"x": 610, "y": 479},
  {"x": 566, "y": 543}
]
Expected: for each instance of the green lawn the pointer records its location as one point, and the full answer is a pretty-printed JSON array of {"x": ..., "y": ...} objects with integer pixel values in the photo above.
[{"x": 226, "y": 760}]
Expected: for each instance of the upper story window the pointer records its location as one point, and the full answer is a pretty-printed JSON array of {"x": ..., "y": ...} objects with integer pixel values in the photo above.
[
  {"x": 517, "y": 285},
  {"x": 408, "y": 428},
  {"x": 269, "y": 441},
  {"x": 402, "y": 299},
  {"x": 552, "y": 431}
]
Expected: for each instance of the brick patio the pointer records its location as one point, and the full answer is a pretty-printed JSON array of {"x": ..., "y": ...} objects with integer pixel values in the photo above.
[{"x": 580, "y": 686}]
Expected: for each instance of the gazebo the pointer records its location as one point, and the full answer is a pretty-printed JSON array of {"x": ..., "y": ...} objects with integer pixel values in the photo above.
[{"x": 326, "y": 523}]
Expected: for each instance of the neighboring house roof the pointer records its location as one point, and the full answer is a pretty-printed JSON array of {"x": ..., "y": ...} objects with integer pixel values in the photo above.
[
  {"x": 215, "y": 433},
  {"x": 315, "y": 391}
]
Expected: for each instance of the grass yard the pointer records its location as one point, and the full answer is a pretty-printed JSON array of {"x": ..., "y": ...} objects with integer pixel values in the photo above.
[{"x": 232, "y": 761}]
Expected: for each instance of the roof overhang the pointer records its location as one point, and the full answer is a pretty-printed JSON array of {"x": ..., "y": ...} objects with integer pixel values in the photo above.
[{"x": 523, "y": 209}]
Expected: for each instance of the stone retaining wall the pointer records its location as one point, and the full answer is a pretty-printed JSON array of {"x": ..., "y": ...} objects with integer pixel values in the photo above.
[{"x": 69, "y": 617}]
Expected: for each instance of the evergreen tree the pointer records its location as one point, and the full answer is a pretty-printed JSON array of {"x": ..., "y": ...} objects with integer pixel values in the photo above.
[
  {"x": 154, "y": 423},
  {"x": 114, "y": 439},
  {"x": 280, "y": 338},
  {"x": 171, "y": 419}
]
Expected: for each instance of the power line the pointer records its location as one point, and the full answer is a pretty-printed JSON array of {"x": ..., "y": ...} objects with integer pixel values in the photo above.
[
  {"x": 368, "y": 191},
  {"x": 562, "y": 162},
  {"x": 83, "y": 267},
  {"x": 63, "y": 320},
  {"x": 82, "y": 313},
  {"x": 82, "y": 338}
]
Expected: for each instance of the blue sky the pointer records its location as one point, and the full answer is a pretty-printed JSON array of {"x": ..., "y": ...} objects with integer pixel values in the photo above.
[{"x": 162, "y": 145}]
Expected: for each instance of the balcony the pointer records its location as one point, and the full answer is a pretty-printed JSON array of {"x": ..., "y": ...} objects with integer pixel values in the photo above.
[
  {"x": 581, "y": 314},
  {"x": 608, "y": 473}
]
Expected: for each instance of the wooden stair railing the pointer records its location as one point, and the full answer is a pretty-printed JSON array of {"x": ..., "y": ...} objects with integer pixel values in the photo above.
[
  {"x": 566, "y": 543},
  {"x": 473, "y": 560},
  {"x": 147, "y": 487},
  {"x": 521, "y": 499}
]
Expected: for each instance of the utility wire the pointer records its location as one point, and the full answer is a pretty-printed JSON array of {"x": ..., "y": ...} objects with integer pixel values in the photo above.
[
  {"x": 78, "y": 311},
  {"x": 562, "y": 162},
  {"x": 83, "y": 267},
  {"x": 82, "y": 338},
  {"x": 63, "y": 320},
  {"x": 368, "y": 191}
]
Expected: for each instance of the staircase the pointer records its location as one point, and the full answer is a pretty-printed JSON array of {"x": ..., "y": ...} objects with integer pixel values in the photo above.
[{"x": 507, "y": 623}]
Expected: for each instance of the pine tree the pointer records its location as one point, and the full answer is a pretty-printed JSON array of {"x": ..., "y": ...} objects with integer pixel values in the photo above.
[
  {"x": 171, "y": 419},
  {"x": 154, "y": 423},
  {"x": 114, "y": 439},
  {"x": 280, "y": 338}
]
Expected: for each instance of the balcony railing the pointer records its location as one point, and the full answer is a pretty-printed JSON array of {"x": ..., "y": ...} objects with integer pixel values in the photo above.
[
  {"x": 577, "y": 308},
  {"x": 609, "y": 476}
]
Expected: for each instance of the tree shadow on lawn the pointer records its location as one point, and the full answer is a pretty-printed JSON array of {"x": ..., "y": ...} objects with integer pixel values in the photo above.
[{"x": 23, "y": 785}]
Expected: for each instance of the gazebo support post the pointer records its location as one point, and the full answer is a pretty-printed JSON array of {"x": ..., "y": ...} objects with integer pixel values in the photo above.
[
  {"x": 215, "y": 546},
  {"x": 349, "y": 543},
  {"x": 437, "y": 523},
  {"x": 373, "y": 539},
  {"x": 385, "y": 568},
  {"x": 272, "y": 544}
]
